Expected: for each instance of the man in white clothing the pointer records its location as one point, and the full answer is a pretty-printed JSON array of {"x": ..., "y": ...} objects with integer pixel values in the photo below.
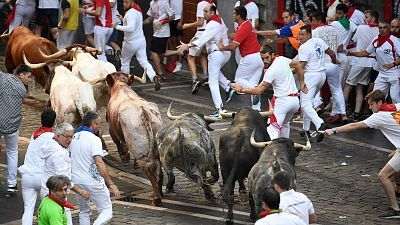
[
  {"x": 215, "y": 31},
  {"x": 24, "y": 10},
  {"x": 89, "y": 171},
  {"x": 88, "y": 22},
  {"x": 293, "y": 202},
  {"x": 285, "y": 102},
  {"x": 272, "y": 214},
  {"x": 32, "y": 169},
  {"x": 135, "y": 42},
  {"x": 355, "y": 15}
]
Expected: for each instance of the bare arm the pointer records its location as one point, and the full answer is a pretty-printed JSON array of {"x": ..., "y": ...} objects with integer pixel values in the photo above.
[
  {"x": 81, "y": 192},
  {"x": 363, "y": 53},
  {"x": 251, "y": 91},
  {"x": 346, "y": 128},
  {"x": 332, "y": 54},
  {"x": 298, "y": 68},
  {"x": 65, "y": 18},
  {"x": 97, "y": 12},
  {"x": 198, "y": 23},
  {"x": 312, "y": 218},
  {"x": 340, "y": 49},
  {"x": 266, "y": 32},
  {"x": 101, "y": 167},
  {"x": 232, "y": 46}
]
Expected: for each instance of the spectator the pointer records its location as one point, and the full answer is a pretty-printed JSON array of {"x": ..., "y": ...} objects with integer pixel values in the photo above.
[
  {"x": 24, "y": 10},
  {"x": 113, "y": 41},
  {"x": 12, "y": 93},
  {"x": 355, "y": 15},
  {"x": 57, "y": 161},
  {"x": 47, "y": 11},
  {"x": 272, "y": 215},
  {"x": 31, "y": 170},
  {"x": 88, "y": 22},
  {"x": 176, "y": 32},
  {"x": 52, "y": 208},
  {"x": 293, "y": 202},
  {"x": 68, "y": 25},
  {"x": 395, "y": 27},
  {"x": 89, "y": 171}
]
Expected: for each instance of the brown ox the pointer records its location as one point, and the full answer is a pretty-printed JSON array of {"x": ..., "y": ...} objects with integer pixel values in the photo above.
[
  {"x": 21, "y": 40},
  {"x": 134, "y": 123}
]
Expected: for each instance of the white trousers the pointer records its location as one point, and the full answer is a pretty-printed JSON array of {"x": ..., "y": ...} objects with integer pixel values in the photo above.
[
  {"x": 44, "y": 192},
  {"x": 332, "y": 76},
  {"x": 284, "y": 109},
  {"x": 30, "y": 191},
  {"x": 101, "y": 36},
  {"x": 216, "y": 60},
  {"x": 249, "y": 72},
  {"x": 314, "y": 82},
  {"x": 137, "y": 48},
  {"x": 100, "y": 196},
  {"x": 386, "y": 83},
  {"x": 66, "y": 38},
  {"x": 344, "y": 68},
  {"x": 11, "y": 141},
  {"x": 23, "y": 15}
]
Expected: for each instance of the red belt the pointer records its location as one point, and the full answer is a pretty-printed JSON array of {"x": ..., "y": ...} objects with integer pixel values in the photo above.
[{"x": 291, "y": 95}]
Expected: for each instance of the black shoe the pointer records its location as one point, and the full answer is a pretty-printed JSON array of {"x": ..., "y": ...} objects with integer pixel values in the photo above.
[
  {"x": 204, "y": 82},
  {"x": 229, "y": 94},
  {"x": 256, "y": 99},
  {"x": 12, "y": 190},
  {"x": 391, "y": 214},
  {"x": 195, "y": 86},
  {"x": 321, "y": 135},
  {"x": 157, "y": 84}
]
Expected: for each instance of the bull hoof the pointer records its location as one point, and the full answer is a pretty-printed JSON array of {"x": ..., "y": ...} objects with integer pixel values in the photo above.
[{"x": 157, "y": 202}]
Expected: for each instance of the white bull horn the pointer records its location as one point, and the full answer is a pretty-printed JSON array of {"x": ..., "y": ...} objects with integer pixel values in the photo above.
[
  {"x": 257, "y": 144},
  {"x": 56, "y": 55},
  {"x": 227, "y": 114},
  {"x": 306, "y": 147},
  {"x": 170, "y": 116},
  {"x": 143, "y": 78},
  {"x": 32, "y": 66},
  {"x": 68, "y": 63},
  {"x": 5, "y": 34},
  {"x": 95, "y": 81},
  {"x": 270, "y": 111},
  {"x": 212, "y": 119}
]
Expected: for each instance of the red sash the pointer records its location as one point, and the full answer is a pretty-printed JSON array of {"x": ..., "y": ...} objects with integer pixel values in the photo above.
[
  {"x": 40, "y": 131},
  {"x": 350, "y": 11},
  {"x": 63, "y": 204},
  {"x": 216, "y": 18}
]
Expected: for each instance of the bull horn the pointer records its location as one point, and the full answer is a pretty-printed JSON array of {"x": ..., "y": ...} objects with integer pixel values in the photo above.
[
  {"x": 212, "y": 119},
  {"x": 56, "y": 55},
  {"x": 171, "y": 117},
  {"x": 257, "y": 144},
  {"x": 270, "y": 111},
  {"x": 5, "y": 34},
  {"x": 306, "y": 147},
  {"x": 95, "y": 81},
  {"x": 227, "y": 115},
  {"x": 143, "y": 78},
  {"x": 32, "y": 66},
  {"x": 68, "y": 63},
  {"x": 91, "y": 49}
]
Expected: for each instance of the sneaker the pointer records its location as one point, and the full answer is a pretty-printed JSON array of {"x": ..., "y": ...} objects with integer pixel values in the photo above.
[
  {"x": 345, "y": 119},
  {"x": 216, "y": 112},
  {"x": 11, "y": 190},
  {"x": 391, "y": 214},
  {"x": 157, "y": 84},
  {"x": 229, "y": 94},
  {"x": 320, "y": 135},
  {"x": 256, "y": 99},
  {"x": 204, "y": 82},
  {"x": 195, "y": 86},
  {"x": 178, "y": 67}
]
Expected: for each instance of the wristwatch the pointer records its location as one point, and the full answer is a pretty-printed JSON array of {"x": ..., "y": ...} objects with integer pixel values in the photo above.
[{"x": 334, "y": 130}]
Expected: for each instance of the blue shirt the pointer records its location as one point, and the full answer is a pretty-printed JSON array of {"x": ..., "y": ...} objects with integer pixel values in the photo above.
[{"x": 286, "y": 31}]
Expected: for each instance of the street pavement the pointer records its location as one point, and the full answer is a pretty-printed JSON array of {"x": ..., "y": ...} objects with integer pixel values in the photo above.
[{"x": 339, "y": 175}]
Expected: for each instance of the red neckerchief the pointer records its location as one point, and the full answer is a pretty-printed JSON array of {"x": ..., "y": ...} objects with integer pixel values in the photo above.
[
  {"x": 381, "y": 40},
  {"x": 318, "y": 25},
  {"x": 388, "y": 107},
  {"x": 330, "y": 3},
  {"x": 65, "y": 203},
  {"x": 270, "y": 212},
  {"x": 372, "y": 24},
  {"x": 137, "y": 7},
  {"x": 216, "y": 18},
  {"x": 350, "y": 11},
  {"x": 40, "y": 131},
  {"x": 248, "y": 1}
]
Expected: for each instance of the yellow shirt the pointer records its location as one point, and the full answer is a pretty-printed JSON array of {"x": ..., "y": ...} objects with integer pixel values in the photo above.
[{"x": 72, "y": 23}]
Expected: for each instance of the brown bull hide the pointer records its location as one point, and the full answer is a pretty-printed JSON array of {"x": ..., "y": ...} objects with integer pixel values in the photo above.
[{"x": 24, "y": 40}]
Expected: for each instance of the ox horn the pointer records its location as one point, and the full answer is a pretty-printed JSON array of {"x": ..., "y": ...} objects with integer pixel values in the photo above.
[
  {"x": 270, "y": 111},
  {"x": 257, "y": 144},
  {"x": 306, "y": 147},
  {"x": 212, "y": 119},
  {"x": 227, "y": 114},
  {"x": 171, "y": 117},
  {"x": 56, "y": 55},
  {"x": 143, "y": 78},
  {"x": 5, "y": 34},
  {"x": 32, "y": 66}
]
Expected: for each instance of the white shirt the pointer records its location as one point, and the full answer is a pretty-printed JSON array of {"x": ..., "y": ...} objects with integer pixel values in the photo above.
[
  {"x": 199, "y": 13},
  {"x": 297, "y": 204},
  {"x": 49, "y": 4},
  {"x": 211, "y": 36},
  {"x": 357, "y": 18},
  {"x": 177, "y": 7},
  {"x": 344, "y": 34},
  {"x": 330, "y": 36},
  {"x": 33, "y": 163},
  {"x": 114, "y": 11},
  {"x": 363, "y": 37},
  {"x": 280, "y": 219},
  {"x": 281, "y": 77},
  {"x": 313, "y": 53},
  {"x": 26, "y": 2},
  {"x": 385, "y": 122},
  {"x": 252, "y": 13},
  {"x": 132, "y": 26},
  {"x": 160, "y": 10},
  {"x": 384, "y": 55},
  {"x": 84, "y": 147}
]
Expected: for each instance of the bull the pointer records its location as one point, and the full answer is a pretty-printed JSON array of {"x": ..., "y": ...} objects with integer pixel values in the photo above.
[
  {"x": 186, "y": 144},
  {"x": 277, "y": 155},
  {"x": 236, "y": 155},
  {"x": 70, "y": 97},
  {"x": 134, "y": 123}
]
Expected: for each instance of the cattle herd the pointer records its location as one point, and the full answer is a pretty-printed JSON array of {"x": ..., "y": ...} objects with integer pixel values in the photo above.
[{"x": 77, "y": 83}]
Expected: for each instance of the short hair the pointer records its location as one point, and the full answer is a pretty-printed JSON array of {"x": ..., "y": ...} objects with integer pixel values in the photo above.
[
  {"x": 271, "y": 198},
  {"x": 61, "y": 128},
  {"x": 55, "y": 183},
  {"x": 376, "y": 96},
  {"x": 241, "y": 11},
  {"x": 290, "y": 11},
  {"x": 351, "y": 2},
  {"x": 307, "y": 28},
  {"x": 319, "y": 16},
  {"x": 22, "y": 68},
  {"x": 89, "y": 118},
  {"x": 342, "y": 7},
  {"x": 373, "y": 13},
  {"x": 384, "y": 22},
  {"x": 282, "y": 179},
  {"x": 267, "y": 49},
  {"x": 310, "y": 12},
  {"x": 213, "y": 8},
  {"x": 48, "y": 117}
]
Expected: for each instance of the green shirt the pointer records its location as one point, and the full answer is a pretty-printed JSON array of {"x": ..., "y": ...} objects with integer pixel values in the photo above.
[{"x": 51, "y": 213}]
